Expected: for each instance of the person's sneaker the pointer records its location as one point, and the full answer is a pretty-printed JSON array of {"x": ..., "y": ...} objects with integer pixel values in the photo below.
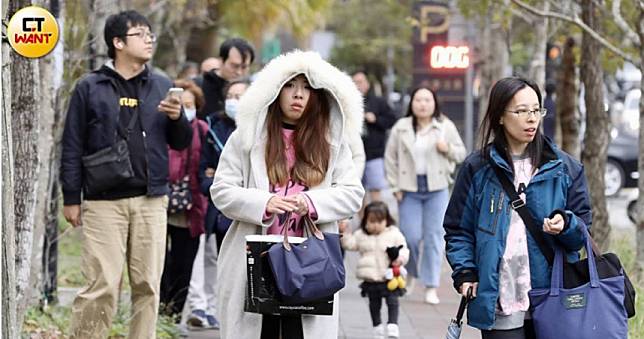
[
  {"x": 392, "y": 331},
  {"x": 379, "y": 332},
  {"x": 183, "y": 330},
  {"x": 431, "y": 297},
  {"x": 212, "y": 322},
  {"x": 411, "y": 285},
  {"x": 197, "y": 319}
]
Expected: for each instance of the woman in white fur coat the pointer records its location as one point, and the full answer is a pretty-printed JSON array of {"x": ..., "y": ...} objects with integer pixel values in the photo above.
[{"x": 307, "y": 111}]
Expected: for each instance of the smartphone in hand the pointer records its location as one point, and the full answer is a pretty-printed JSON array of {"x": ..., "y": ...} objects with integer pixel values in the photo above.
[{"x": 174, "y": 93}]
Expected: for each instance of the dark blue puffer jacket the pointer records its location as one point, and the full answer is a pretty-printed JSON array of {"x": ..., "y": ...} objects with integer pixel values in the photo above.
[{"x": 476, "y": 233}]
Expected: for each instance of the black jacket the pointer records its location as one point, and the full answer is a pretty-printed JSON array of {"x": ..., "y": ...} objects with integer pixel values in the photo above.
[
  {"x": 213, "y": 91},
  {"x": 91, "y": 125},
  {"x": 376, "y": 137}
]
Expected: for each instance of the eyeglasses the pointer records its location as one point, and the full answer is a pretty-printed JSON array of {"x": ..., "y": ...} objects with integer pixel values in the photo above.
[
  {"x": 239, "y": 67},
  {"x": 540, "y": 112},
  {"x": 144, "y": 35}
]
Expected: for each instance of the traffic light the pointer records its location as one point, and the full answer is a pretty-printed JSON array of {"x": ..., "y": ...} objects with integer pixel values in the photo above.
[{"x": 553, "y": 60}]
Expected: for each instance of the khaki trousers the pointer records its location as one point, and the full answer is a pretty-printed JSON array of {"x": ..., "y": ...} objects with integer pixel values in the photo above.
[{"x": 115, "y": 232}]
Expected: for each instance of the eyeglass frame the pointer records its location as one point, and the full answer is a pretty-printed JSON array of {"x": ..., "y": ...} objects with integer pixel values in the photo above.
[
  {"x": 144, "y": 35},
  {"x": 525, "y": 113}
]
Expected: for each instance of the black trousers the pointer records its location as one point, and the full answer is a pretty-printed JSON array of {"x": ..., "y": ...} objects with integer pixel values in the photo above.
[
  {"x": 375, "y": 304},
  {"x": 181, "y": 250},
  {"x": 290, "y": 326},
  {"x": 525, "y": 332},
  {"x": 50, "y": 263}
]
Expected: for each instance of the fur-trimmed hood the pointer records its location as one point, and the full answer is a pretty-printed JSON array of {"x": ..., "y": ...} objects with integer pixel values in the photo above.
[{"x": 344, "y": 98}]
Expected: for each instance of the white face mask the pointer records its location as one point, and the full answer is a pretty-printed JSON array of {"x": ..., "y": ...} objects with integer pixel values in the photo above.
[
  {"x": 191, "y": 113},
  {"x": 231, "y": 107}
]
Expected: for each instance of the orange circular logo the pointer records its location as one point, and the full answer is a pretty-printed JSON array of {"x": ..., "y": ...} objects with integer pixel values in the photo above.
[{"x": 33, "y": 32}]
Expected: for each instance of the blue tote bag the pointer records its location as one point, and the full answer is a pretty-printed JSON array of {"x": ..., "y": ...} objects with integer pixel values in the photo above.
[
  {"x": 594, "y": 310},
  {"x": 311, "y": 270}
]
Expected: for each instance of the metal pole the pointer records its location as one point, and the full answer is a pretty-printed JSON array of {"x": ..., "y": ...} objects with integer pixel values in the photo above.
[
  {"x": 390, "y": 73},
  {"x": 469, "y": 109}
]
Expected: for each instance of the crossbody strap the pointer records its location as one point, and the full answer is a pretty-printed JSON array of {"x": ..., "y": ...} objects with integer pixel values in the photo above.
[
  {"x": 211, "y": 131},
  {"x": 130, "y": 126},
  {"x": 519, "y": 205}
]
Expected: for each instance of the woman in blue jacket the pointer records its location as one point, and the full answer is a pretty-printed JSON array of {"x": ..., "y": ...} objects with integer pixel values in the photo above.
[{"x": 488, "y": 245}]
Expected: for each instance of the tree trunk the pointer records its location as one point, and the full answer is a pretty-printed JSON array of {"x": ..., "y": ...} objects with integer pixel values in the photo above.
[
  {"x": 639, "y": 265},
  {"x": 597, "y": 125},
  {"x": 100, "y": 9},
  {"x": 9, "y": 326},
  {"x": 567, "y": 100},
  {"x": 494, "y": 58},
  {"x": 202, "y": 43},
  {"x": 538, "y": 64},
  {"x": 51, "y": 125},
  {"x": 25, "y": 108}
]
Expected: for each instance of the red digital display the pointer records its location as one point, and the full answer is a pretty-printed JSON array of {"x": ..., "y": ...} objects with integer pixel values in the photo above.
[{"x": 446, "y": 57}]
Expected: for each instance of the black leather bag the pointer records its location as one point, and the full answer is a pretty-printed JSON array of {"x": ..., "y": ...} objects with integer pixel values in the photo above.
[
  {"x": 575, "y": 274},
  {"x": 110, "y": 166}
]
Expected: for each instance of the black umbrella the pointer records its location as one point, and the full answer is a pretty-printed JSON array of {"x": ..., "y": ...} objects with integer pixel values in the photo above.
[{"x": 456, "y": 325}]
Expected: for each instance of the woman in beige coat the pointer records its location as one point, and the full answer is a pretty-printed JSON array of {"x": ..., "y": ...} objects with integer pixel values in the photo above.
[
  {"x": 420, "y": 156},
  {"x": 252, "y": 179}
]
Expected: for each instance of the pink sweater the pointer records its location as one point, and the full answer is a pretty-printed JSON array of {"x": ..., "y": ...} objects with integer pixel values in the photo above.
[{"x": 291, "y": 189}]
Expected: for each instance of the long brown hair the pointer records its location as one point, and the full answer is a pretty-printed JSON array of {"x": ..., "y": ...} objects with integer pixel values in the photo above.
[{"x": 312, "y": 149}]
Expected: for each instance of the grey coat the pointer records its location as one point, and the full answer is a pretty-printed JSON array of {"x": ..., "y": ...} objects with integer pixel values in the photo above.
[{"x": 241, "y": 188}]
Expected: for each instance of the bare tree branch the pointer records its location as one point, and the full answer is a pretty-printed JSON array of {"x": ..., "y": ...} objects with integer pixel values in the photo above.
[
  {"x": 522, "y": 15},
  {"x": 621, "y": 23},
  {"x": 577, "y": 21}
]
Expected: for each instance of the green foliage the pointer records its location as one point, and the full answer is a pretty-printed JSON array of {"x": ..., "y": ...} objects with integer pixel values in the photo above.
[
  {"x": 69, "y": 255},
  {"x": 52, "y": 323},
  {"x": 636, "y": 324},
  {"x": 363, "y": 44},
  {"x": 522, "y": 33},
  {"x": 166, "y": 328},
  {"x": 55, "y": 321},
  {"x": 76, "y": 41},
  {"x": 624, "y": 246},
  {"x": 298, "y": 17}
]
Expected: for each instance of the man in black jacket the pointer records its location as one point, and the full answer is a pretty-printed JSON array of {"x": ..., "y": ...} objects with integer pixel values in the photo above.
[
  {"x": 123, "y": 222},
  {"x": 378, "y": 118},
  {"x": 236, "y": 56}
]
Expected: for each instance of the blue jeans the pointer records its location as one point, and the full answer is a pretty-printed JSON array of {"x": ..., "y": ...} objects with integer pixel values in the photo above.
[{"x": 421, "y": 219}]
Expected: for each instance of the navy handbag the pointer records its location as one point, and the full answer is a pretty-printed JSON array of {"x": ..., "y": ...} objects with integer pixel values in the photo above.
[
  {"x": 311, "y": 270},
  {"x": 594, "y": 310}
]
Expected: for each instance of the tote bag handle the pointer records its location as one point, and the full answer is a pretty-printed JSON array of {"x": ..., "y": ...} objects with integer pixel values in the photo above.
[{"x": 556, "y": 280}]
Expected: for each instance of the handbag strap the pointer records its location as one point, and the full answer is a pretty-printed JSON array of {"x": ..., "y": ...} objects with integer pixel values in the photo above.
[
  {"x": 520, "y": 207},
  {"x": 556, "y": 279},
  {"x": 309, "y": 226}
]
